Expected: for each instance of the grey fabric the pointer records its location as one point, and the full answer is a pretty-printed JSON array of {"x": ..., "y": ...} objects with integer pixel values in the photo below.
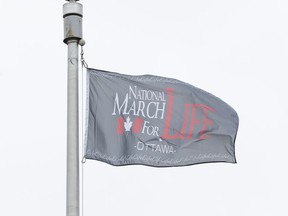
[{"x": 156, "y": 121}]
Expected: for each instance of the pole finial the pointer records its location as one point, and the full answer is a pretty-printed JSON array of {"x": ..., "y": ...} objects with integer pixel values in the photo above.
[{"x": 72, "y": 14}]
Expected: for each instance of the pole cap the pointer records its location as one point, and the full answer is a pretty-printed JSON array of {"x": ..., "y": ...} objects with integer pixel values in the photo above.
[
  {"x": 72, "y": 14},
  {"x": 72, "y": 8}
]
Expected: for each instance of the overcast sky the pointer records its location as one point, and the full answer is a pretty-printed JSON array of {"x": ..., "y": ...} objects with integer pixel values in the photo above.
[{"x": 236, "y": 50}]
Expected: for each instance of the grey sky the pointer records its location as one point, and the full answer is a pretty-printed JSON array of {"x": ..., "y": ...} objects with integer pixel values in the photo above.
[{"x": 237, "y": 50}]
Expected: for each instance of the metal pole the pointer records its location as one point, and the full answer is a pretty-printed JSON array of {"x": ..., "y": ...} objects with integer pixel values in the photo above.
[{"x": 72, "y": 14}]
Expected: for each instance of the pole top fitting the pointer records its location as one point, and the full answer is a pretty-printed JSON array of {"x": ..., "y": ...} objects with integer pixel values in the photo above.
[
  {"x": 72, "y": 14},
  {"x": 72, "y": 8}
]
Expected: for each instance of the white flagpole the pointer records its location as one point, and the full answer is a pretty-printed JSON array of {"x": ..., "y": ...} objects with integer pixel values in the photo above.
[{"x": 72, "y": 14}]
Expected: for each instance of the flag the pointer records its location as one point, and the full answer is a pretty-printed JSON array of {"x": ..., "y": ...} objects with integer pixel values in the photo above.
[{"x": 156, "y": 121}]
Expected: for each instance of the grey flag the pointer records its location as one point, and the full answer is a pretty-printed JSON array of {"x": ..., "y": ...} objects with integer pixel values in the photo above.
[{"x": 156, "y": 121}]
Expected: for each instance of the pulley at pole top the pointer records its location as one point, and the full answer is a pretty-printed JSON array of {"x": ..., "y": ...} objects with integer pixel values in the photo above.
[{"x": 72, "y": 14}]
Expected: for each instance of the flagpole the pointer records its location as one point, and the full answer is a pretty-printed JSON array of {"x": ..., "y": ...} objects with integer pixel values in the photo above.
[{"x": 72, "y": 14}]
